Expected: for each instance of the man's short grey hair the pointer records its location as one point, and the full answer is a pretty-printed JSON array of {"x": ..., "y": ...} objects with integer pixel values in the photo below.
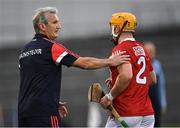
[{"x": 39, "y": 16}]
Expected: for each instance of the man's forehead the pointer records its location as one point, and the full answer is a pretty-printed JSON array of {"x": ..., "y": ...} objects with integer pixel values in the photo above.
[{"x": 52, "y": 16}]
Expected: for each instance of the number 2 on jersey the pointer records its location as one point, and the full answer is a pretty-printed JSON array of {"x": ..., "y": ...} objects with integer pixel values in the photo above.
[{"x": 139, "y": 79}]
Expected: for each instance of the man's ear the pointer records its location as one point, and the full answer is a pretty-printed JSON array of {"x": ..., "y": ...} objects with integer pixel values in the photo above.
[{"x": 42, "y": 26}]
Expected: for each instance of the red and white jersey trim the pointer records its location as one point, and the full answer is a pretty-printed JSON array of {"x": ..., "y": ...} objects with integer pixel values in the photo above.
[
  {"x": 58, "y": 60},
  {"x": 58, "y": 52}
]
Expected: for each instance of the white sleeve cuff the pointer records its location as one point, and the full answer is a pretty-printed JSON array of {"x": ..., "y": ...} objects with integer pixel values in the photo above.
[{"x": 109, "y": 96}]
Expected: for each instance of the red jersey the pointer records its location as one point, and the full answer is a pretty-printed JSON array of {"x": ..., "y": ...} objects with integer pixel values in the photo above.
[{"x": 134, "y": 101}]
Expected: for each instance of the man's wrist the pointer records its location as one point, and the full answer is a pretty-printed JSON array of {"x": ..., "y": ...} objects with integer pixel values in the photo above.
[
  {"x": 109, "y": 62},
  {"x": 109, "y": 96}
]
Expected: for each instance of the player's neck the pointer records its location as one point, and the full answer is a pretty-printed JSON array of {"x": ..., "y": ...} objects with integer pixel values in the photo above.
[{"x": 125, "y": 36}]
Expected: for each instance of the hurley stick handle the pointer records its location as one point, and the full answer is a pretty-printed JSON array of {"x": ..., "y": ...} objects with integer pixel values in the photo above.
[{"x": 117, "y": 116}]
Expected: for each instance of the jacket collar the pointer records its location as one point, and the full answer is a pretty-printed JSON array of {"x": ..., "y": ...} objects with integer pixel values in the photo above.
[{"x": 39, "y": 35}]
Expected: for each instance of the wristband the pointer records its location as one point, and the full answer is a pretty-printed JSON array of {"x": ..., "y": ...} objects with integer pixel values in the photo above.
[{"x": 109, "y": 96}]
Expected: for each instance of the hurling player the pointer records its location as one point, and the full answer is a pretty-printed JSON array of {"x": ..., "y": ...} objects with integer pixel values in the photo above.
[{"x": 129, "y": 83}]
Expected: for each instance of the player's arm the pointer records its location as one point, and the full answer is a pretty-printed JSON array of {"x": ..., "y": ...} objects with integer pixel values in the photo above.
[
  {"x": 95, "y": 63},
  {"x": 122, "y": 82},
  {"x": 153, "y": 79}
]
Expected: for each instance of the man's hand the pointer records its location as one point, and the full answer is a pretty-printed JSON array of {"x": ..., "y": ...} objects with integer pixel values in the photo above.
[
  {"x": 105, "y": 102},
  {"x": 116, "y": 60},
  {"x": 62, "y": 109}
]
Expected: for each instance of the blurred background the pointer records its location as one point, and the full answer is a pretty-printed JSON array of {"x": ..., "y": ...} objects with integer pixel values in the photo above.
[{"x": 85, "y": 31}]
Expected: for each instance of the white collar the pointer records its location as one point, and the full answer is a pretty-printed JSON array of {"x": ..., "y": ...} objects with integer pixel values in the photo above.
[{"x": 131, "y": 39}]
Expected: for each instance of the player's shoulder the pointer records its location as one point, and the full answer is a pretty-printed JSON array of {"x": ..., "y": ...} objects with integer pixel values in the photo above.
[{"x": 129, "y": 43}]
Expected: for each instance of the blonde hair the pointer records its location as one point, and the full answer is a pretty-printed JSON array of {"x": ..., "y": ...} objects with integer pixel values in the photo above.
[{"x": 39, "y": 16}]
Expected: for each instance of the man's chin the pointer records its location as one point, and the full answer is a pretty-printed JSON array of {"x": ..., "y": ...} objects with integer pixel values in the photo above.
[{"x": 56, "y": 35}]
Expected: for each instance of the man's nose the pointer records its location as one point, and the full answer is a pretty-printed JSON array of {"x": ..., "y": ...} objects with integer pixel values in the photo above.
[{"x": 59, "y": 26}]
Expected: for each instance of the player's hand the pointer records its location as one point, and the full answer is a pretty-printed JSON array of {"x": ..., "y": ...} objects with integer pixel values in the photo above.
[
  {"x": 108, "y": 82},
  {"x": 62, "y": 109},
  {"x": 105, "y": 102},
  {"x": 118, "y": 59}
]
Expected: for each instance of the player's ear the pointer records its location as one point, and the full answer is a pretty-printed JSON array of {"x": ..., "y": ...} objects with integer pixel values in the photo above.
[{"x": 42, "y": 26}]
